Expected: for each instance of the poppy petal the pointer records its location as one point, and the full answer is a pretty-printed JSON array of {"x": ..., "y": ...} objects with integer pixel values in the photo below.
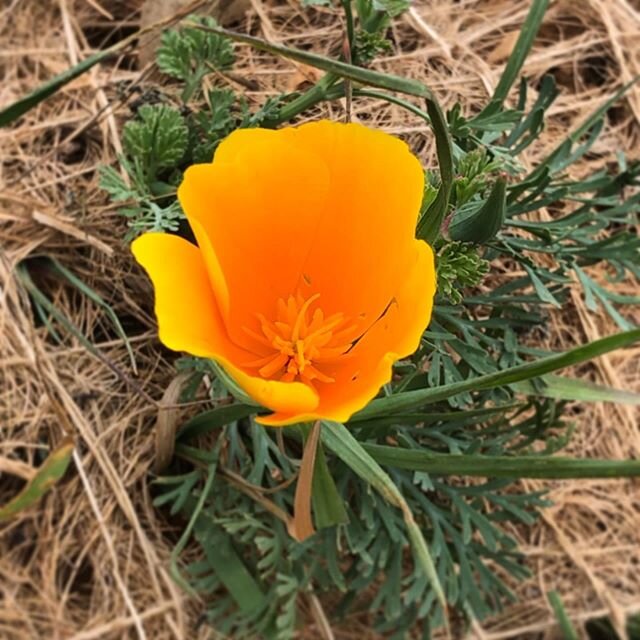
[
  {"x": 396, "y": 335},
  {"x": 258, "y": 204},
  {"x": 189, "y": 319},
  {"x": 362, "y": 246},
  {"x": 317, "y": 207}
]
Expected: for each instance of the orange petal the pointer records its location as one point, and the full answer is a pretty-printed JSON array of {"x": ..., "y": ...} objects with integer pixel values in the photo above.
[
  {"x": 362, "y": 246},
  {"x": 395, "y": 336},
  {"x": 327, "y": 207},
  {"x": 258, "y": 204},
  {"x": 189, "y": 319}
]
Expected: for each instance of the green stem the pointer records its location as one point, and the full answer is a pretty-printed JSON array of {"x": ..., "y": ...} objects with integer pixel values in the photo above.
[
  {"x": 405, "y": 104},
  {"x": 314, "y": 95},
  {"x": 346, "y": 4}
]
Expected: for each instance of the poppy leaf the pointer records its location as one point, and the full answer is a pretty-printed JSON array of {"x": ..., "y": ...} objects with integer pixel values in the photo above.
[
  {"x": 328, "y": 505},
  {"x": 214, "y": 419}
]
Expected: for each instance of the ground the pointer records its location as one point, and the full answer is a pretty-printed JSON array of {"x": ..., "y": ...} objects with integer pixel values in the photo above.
[{"x": 90, "y": 560}]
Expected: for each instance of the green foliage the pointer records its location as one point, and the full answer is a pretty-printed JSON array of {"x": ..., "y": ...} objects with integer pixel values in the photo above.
[
  {"x": 463, "y": 521},
  {"x": 459, "y": 266},
  {"x": 368, "y": 45},
  {"x": 473, "y": 171},
  {"x": 189, "y": 54},
  {"x": 471, "y": 395},
  {"x": 157, "y": 138},
  {"x": 392, "y": 7}
]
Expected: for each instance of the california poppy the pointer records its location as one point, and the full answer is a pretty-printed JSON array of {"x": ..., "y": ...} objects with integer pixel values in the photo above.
[{"x": 307, "y": 283}]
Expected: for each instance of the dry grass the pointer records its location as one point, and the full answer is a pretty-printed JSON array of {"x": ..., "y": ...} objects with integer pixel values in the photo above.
[{"x": 90, "y": 561}]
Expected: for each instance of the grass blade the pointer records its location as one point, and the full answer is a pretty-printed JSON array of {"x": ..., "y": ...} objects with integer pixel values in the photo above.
[
  {"x": 328, "y": 505},
  {"x": 47, "y": 475},
  {"x": 518, "y": 55},
  {"x": 229, "y": 567},
  {"x": 563, "y": 388},
  {"x": 337, "y": 67},
  {"x": 214, "y": 419},
  {"x": 542, "y": 366},
  {"x": 568, "y": 632},
  {"x": 20, "y": 107},
  {"x": 93, "y": 295},
  {"x": 340, "y": 440},
  {"x": 550, "y": 467},
  {"x": 432, "y": 219}
]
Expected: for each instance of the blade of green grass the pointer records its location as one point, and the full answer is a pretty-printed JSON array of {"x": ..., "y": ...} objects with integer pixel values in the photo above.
[
  {"x": 186, "y": 534},
  {"x": 337, "y": 67},
  {"x": 432, "y": 219},
  {"x": 518, "y": 55},
  {"x": 47, "y": 475},
  {"x": 40, "y": 299},
  {"x": 549, "y": 467},
  {"x": 414, "y": 399},
  {"x": 21, "y": 106},
  {"x": 214, "y": 419},
  {"x": 95, "y": 297},
  {"x": 228, "y": 566},
  {"x": 563, "y": 388},
  {"x": 341, "y": 441},
  {"x": 568, "y": 632}
]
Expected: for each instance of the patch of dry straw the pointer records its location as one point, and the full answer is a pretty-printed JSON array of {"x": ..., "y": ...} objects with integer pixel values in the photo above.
[{"x": 90, "y": 561}]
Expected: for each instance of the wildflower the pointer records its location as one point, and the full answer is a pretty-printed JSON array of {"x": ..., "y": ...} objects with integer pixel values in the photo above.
[{"x": 307, "y": 283}]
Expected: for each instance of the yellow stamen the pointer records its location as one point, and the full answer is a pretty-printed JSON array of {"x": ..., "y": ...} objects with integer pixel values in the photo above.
[{"x": 300, "y": 339}]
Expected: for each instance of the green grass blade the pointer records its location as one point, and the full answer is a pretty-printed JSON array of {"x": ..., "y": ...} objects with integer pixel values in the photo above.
[
  {"x": 340, "y": 440},
  {"x": 229, "y": 567},
  {"x": 414, "y": 399},
  {"x": 518, "y": 55},
  {"x": 568, "y": 632},
  {"x": 214, "y": 419},
  {"x": 337, "y": 67},
  {"x": 549, "y": 467},
  {"x": 432, "y": 219},
  {"x": 186, "y": 534},
  {"x": 563, "y": 388},
  {"x": 328, "y": 504},
  {"x": 95, "y": 297},
  {"x": 47, "y": 475},
  {"x": 20, "y": 107},
  {"x": 42, "y": 300}
]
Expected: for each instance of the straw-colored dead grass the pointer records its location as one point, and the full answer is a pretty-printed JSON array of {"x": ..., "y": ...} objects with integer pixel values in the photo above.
[{"x": 90, "y": 561}]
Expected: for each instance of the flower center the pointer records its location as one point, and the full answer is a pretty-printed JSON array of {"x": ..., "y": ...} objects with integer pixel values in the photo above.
[{"x": 301, "y": 341}]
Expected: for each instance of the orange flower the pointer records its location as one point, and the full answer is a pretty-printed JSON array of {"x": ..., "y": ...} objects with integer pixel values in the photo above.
[{"x": 307, "y": 283}]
